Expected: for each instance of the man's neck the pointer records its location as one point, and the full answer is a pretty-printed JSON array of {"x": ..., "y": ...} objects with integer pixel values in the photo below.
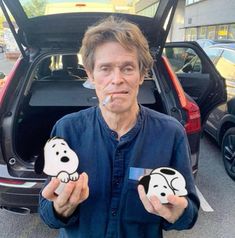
[{"x": 121, "y": 122}]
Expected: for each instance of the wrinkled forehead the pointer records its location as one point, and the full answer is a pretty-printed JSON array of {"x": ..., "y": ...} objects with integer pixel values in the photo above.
[{"x": 104, "y": 53}]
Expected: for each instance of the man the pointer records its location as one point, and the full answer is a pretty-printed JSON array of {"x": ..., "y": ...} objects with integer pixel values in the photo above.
[{"x": 114, "y": 139}]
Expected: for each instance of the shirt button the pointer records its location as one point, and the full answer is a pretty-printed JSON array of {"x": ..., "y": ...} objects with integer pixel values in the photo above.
[
  {"x": 114, "y": 134},
  {"x": 114, "y": 212},
  {"x": 117, "y": 182}
]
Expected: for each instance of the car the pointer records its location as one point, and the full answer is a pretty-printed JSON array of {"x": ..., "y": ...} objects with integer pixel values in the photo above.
[
  {"x": 221, "y": 122},
  {"x": 204, "y": 43},
  {"x": 40, "y": 89}
]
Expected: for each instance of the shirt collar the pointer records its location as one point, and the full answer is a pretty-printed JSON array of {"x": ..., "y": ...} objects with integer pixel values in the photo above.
[{"x": 130, "y": 134}]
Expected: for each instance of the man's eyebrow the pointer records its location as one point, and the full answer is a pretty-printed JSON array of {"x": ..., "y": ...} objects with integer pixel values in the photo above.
[
  {"x": 127, "y": 63},
  {"x": 105, "y": 64},
  {"x": 122, "y": 64}
]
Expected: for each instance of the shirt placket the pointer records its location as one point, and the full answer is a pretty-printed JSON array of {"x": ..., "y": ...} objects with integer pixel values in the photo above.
[{"x": 117, "y": 182}]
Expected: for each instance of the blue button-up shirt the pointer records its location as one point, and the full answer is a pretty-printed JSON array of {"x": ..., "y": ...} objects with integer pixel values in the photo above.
[{"x": 113, "y": 208}]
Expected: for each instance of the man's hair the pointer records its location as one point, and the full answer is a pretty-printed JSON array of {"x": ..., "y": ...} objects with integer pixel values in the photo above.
[{"x": 113, "y": 29}]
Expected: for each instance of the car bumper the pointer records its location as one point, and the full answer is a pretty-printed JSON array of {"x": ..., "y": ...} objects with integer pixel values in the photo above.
[{"x": 18, "y": 195}]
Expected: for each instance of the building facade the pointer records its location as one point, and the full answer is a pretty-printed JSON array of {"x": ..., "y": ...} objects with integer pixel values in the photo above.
[
  {"x": 148, "y": 8},
  {"x": 209, "y": 19},
  {"x": 198, "y": 19}
]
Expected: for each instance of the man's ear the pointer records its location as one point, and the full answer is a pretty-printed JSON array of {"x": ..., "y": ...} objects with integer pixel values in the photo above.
[
  {"x": 141, "y": 79},
  {"x": 90, "y": 76}
]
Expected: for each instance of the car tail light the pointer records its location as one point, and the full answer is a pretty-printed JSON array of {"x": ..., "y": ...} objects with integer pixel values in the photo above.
[
  {"x": 16, "y": 183},
  {"x": 193, "y": 123},
  {"x": 11, "y": 181},
  {"x": 8, "y": 81}
]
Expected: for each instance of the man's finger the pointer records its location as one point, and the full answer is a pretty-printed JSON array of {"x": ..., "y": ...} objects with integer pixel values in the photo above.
[
  {"x": 49, "y": 191},
  {"x": 177, "y": 201},
  {"x": 159, "y": 208},
  {"x": 64, "y": 196},
  {"x": 147, "y": 205},
  {"x": 85, "y": 188},
  {"x": 76, "y": 195}
]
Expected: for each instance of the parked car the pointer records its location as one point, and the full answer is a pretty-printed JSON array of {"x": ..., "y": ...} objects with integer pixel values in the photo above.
[
  {"x": 39, "y": 91},
  {"x": 204, "y": 43},
  {"x": 221, "y": 122}
]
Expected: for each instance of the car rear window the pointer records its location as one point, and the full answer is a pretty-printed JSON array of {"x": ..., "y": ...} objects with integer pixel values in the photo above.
[{"x": 49, "y": 7}]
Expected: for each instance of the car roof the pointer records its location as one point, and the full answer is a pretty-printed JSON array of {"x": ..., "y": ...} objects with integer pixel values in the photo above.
[{"x": 230, "y": 46}]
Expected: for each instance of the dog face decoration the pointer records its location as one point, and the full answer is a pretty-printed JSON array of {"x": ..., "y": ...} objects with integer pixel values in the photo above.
[
  {"x": 59, "y": 161},
  {"x": 162, "y": 182}
]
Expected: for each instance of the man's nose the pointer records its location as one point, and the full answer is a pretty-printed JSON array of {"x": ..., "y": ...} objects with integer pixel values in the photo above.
[{"x": 117, "y": 76}]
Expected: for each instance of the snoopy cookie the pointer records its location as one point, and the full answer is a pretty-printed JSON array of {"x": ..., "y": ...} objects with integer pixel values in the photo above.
[
  {"x": 59, "y": 161},
  {"x": 162, "y": 182}
]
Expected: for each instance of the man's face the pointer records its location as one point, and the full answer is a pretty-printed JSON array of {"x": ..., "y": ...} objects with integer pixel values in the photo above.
[{"x": 116, "y": 73}]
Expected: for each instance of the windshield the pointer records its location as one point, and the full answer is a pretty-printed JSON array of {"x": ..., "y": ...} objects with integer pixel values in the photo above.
[{"x": 34, "y": 8}]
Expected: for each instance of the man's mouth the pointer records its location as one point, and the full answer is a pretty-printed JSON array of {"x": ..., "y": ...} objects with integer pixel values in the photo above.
[
  {"x": 112, "y": 95},
  {"x": 119, "y": 92}
]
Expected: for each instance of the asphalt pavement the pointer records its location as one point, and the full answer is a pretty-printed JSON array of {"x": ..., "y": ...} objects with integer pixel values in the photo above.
[
  {"x": 5, "y": 65},
  {"x": 219, "y": 191}
]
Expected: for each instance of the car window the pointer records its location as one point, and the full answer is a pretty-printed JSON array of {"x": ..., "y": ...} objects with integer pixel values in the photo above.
[
  {"x": 45, "y": 7},
  {"x": 213, "y": 53},
  {"x": 61, "y": 66},
  {"x": 226, "y": 64},
  {"x": 183, "y": 60}
]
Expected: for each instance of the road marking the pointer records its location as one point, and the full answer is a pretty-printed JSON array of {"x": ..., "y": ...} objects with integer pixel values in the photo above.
[{"x": 205, "y": 206}]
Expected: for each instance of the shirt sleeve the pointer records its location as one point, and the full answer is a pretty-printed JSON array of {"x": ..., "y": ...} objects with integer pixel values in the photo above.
[
  {"x": 182, "y": 162},
  {"x": 49, "y": 216}
]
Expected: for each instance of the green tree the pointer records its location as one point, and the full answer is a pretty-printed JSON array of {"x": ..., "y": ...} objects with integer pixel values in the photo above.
[{"x": 35, "y": 7}]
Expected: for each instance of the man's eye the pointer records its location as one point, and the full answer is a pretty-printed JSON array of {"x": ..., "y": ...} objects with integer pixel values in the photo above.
[
  {"x": 105, "y": 69},
  {"x": 128, "y": 70}
]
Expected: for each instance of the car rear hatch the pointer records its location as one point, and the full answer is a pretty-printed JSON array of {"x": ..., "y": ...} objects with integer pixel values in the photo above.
[{"x": 57, "y": 25}]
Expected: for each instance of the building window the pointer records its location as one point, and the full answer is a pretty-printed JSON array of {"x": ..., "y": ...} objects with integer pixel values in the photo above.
[
  {"x": 211, "y": 32},
  {"x": 191, "y": 34},
  {"x": 216, "y": 32},
  {"x": 188, "y": 2},
  {"x": 222, "y": 32},
  {"x": 202, "y": 32},
  {"x": 231, "y": 32}
]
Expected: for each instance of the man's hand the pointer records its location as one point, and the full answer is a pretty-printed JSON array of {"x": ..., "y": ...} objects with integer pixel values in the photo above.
[
  {"x": 72, "y": 195},
  {"x": 171, "y": 212}
]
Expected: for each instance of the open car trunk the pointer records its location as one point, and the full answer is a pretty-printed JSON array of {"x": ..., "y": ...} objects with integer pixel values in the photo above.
[{"x": 48, "y": 100}]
